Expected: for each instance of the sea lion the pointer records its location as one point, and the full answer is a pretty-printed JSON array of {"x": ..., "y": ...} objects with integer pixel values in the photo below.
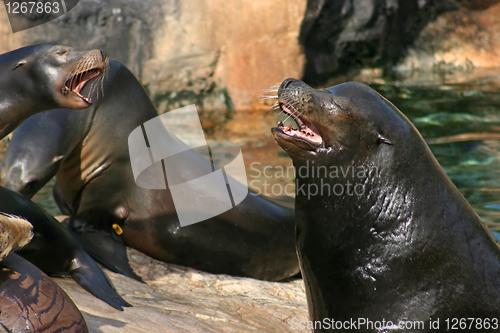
[
  {"x": 34, "y": 79},
  {"x": 56, "y": 252},
  {"x": 29, "y": 300},
  {"x": 89, "y": 152},
  {"x": 404, "y": 245},
  {"x": 42, "y": 77}
]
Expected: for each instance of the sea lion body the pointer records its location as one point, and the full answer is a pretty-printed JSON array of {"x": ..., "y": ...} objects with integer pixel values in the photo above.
[
  {"x": 406, "y": 246},
  {"x": 34, "y": 79},
  {"x": 95, "y": 179}
]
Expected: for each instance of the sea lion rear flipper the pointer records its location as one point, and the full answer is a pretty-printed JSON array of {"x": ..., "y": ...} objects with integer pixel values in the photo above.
[
  {"x": 87, "y": 274},
  {"x": 107, "y": 250}
]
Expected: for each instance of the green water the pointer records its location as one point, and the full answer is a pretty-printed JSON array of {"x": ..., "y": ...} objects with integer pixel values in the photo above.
[
  {"x": 459, "y": 117},
  {"x": 458, "y": 114}
]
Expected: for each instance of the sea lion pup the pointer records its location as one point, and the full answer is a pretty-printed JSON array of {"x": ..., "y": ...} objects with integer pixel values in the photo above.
[
  {"x": 384, "y": 238},
  {"x": 34, "y": 79},
  {"x": 29, "y": 300},
  {"x": 89, "y": 151}
]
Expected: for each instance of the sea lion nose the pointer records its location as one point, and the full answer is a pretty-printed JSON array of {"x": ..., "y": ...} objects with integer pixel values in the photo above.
[{"x": 286, "y": 84}]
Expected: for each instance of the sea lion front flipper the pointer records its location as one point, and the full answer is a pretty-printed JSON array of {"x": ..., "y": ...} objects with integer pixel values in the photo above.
[
  {"x": 107, "y": 249},
  {"x": 87, "y": 274}
]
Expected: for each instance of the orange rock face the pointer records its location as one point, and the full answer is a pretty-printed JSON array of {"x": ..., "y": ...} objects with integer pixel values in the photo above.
[{"x": 185, "y": 48}]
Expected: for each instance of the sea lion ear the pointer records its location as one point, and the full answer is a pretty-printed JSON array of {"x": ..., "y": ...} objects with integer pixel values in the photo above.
[{"x": 382, "y": 139}]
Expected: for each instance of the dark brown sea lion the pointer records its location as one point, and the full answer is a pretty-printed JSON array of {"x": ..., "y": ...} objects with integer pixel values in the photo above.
[
  {"x": 29, "y": 300},
  {"x": 90, "y": 154},
  {"x": 384, "y": 238},
  {"x": 34, "y": 79}
]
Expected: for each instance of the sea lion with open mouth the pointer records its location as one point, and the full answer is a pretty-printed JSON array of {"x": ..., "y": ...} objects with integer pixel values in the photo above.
[
  {"x": 108, "y": 210},
  {"x": 29, "y": 300},
  {"x": 34, "y": 79},
  {"x": 406, "y": 246},
  {"x": 42, "y": 77}
]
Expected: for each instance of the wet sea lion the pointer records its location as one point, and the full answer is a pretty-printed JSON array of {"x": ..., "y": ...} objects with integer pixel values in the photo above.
[
  {"x": 29, "y": 300},
  {"x": 34, "y": 79},
  {"x": 406, "y": 246},
  {"x": 89, "y": 152}
]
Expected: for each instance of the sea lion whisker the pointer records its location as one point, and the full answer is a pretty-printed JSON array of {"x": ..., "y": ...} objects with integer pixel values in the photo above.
[
  {"x": 274, "y": 107},
  {"x": 85, "y": 70}
]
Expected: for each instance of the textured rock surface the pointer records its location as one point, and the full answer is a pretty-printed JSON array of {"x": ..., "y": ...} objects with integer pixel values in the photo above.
[
  {"x": 219, "y": 54},
  {"x": 213, "y": 53},
  {"x": 462, "y": 39},
  {"x": 349, "y": 34},
  {"x": 178, "y": 299}
]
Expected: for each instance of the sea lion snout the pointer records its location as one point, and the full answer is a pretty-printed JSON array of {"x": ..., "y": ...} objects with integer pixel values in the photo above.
[{"x": 349, "y": 117}]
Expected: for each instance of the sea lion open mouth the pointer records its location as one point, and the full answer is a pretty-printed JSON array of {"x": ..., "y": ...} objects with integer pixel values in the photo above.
[
  {"x": 86, "y": 70},
  {"x": 306, "y": 133},
  {"x": 76, "y": 82}
]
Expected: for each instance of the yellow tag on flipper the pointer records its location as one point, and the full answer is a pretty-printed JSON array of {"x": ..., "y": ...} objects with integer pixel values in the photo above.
[{"x": 117, "y": 229}]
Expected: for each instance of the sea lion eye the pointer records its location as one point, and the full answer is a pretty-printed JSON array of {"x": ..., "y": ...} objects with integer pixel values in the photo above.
[
  {"x": 19, "y": 64},
  {"x": 31, "y": 184}
]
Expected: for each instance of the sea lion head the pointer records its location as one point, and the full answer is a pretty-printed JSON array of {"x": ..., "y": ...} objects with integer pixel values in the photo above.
[
  {"x": 349, "y": 122},
  {"x": 42, "y": 77}
]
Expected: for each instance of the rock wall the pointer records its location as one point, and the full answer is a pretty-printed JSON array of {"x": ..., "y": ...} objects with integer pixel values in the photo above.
[
  {"x": 464, "y": 39},
  {"x": 343, "y": 35},
  {"x": 214, "y": 53},
  {"x": 223, "y": 54}
]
